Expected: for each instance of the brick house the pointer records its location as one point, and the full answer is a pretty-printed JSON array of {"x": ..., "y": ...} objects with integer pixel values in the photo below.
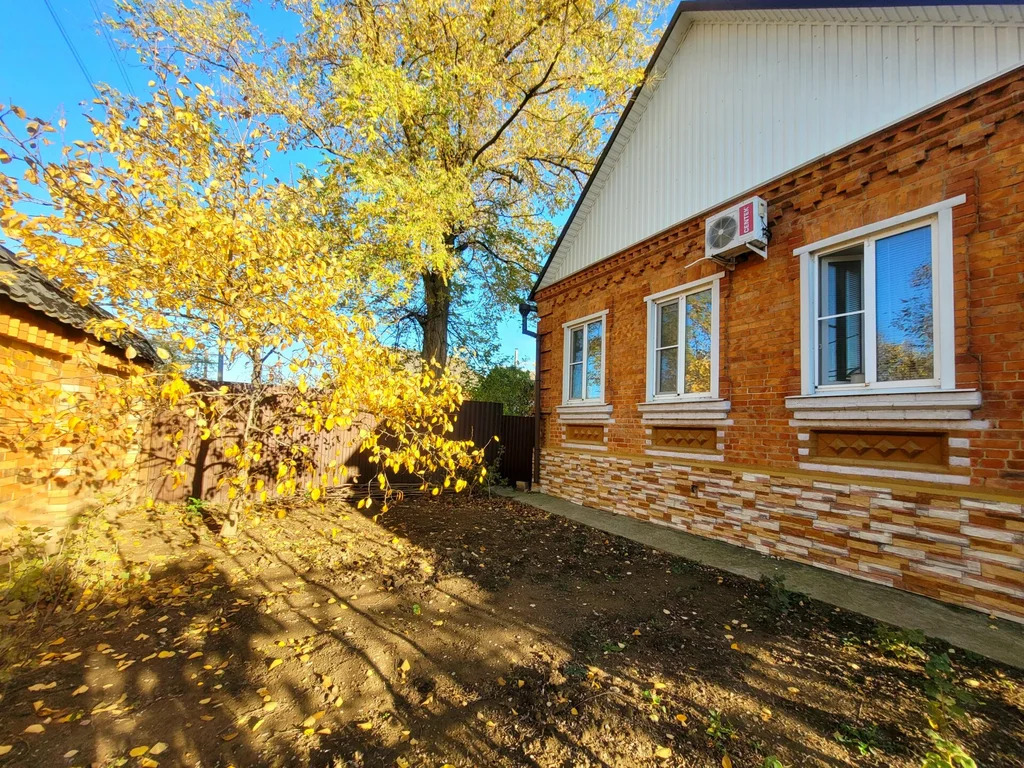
[
  {"x": 851, "y": 399},
  {"x": 42, "y": 339}
]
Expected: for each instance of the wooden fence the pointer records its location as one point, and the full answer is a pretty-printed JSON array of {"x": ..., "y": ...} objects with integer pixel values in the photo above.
[
  {"x": 477, "y": 421},
  {"x": 481, "y": 422}
]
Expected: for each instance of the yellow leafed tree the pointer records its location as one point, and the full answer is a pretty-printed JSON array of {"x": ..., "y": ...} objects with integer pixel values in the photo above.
[
  {"x": 456, "y": 128},
  {"x": 168, "y": 216}
]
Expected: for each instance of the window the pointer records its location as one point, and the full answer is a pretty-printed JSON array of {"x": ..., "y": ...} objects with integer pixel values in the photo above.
[
  {"x": 584, "y": 360},
  {"x": 683, "y": 342},
  {"x": 878, "y": 306}
]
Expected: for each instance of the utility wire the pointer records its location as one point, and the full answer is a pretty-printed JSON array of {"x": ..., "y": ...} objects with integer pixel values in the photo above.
[
  {"x": 110, "y": 44},
  {"x": 71, "y": 47}
]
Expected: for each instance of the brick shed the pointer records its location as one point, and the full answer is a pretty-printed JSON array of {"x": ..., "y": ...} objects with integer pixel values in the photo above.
[
  {"x": 845, "y": 388},
  {"x": 43, "y": 338}
]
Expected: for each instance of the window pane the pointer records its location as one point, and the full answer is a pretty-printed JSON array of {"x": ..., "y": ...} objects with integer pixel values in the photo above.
[
  {"x": 842, "y": 283},
  {"x": 594, "y": 331},
  {"x": 697, "y": 377},
  {"x": 668, "y": 324},
  {"x": 905, "y": 330},
  {"x": 576, "y": 381},
  {"x": 668, "y": 371},
  {"x": 577, "y": 346},
  {"x": 841, "y": 340}
]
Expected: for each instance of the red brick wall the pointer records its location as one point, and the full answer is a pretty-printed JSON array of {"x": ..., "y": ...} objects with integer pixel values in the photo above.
[
  {"x": 42, "y": 487},
  {"x": 971, "y": 145}
]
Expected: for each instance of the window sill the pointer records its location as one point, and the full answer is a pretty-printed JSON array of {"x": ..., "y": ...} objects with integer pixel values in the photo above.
[
  {"x": 585, "y": 412},
  {"x": 952, "y": 407},
  {"x": 713, "y": 410}
]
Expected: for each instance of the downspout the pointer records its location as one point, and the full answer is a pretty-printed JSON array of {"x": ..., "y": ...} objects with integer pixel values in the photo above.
[{"x": 525, "y": 309}]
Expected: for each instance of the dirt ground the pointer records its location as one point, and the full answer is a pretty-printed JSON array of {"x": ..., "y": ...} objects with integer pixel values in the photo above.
[{"x": 464, "y": 632}]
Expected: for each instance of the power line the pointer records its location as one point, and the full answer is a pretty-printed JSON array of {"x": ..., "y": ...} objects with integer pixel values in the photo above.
[
  {"x": 110, "y": 44},
  {"x": 71, "y": 47}
]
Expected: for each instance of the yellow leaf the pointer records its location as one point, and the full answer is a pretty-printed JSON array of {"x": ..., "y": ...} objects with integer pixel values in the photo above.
[
  {"x": 682, "y": 718},
  {"x": 365, "y": 726},
  {"x": 5, "y": 748},
  {"x": 310, "y": 721},
  {"x": 230, "y": 736},
  {"x": 148, "y": 762},
  {"x": 165, "y": 654},
  {"x": 163, "y": 354},
  {"x": 35, "y": 728},
  {"x": 726, "y": 762},
  {"x": 139, "y": 751},
  {"x": 80, "y": 690},
  {"x": 275, "y": 663},
  {"x": 663, "y": 752},
  {"x": 158, "y": 748}
]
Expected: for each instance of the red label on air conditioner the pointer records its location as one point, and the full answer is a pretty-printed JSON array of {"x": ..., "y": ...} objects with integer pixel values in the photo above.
[{"x": 746, "y": 219}]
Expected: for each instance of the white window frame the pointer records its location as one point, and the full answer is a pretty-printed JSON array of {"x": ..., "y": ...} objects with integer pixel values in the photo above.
[
  {"x": 679, "y": 293},
  {"x": 567, "y": 329},
  {"x": 940, "y": 217}
]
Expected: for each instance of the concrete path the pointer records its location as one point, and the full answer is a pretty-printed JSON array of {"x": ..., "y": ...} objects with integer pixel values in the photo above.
[{"x": 967, "y": 629}]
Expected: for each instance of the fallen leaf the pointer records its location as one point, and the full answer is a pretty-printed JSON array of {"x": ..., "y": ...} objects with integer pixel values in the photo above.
[
  {"x": 365, "y": 726},
  {"x": 275, "y": 663},
  {"x": 682, "y": 718},
  {"x": 139, "y": 751},
  {"x": 43, "y": 686},
  {"x": 165, "y": 654},
  {"x": 34, "y": 728},
  {"x": 67, "y": 755},
  {"x": 148, "y": 762},
  {"x": 310, "y": 721},
  {"x": 229, "y": 736},
  {"x": 663, "y": 752},
  {"x": 158, "y": 749},
  {"x": 5, "y": 748},
  {"x": 80, "y": 690}
]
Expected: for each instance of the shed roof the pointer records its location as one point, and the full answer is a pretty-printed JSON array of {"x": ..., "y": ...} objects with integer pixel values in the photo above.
[{"x": 26, "y": 285}]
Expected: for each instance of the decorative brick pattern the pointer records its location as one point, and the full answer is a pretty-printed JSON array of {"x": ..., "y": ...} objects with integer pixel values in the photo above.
[
  {"x": 961, "y": 549},
  {"x": 855, "y": 518},
  {"x": 886, "y": 448},
  {"x": 584, "y": 433},
  {"x": 692, "y": 439}
]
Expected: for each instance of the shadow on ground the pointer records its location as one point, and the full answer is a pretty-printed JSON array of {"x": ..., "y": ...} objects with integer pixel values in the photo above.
[{"x": 472, "y": 632}]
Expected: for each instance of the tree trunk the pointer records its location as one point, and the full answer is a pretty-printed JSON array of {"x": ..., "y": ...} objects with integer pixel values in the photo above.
[
  {"x": 438, "y": 297},
  {"x": 229, "y": 527}
]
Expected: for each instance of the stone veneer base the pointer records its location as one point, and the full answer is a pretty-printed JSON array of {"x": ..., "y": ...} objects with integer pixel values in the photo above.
[{"x": 937, "y": 542}]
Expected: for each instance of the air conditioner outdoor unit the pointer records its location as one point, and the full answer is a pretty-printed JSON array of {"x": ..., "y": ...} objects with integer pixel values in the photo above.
[{"x": 733, "y": 232}]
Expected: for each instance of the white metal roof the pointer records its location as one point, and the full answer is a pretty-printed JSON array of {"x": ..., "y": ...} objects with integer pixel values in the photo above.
[{"x": 737, "y": 97}]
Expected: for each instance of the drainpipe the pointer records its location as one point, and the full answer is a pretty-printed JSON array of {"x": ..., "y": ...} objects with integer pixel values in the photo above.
[{"x": 525, "y": 309}]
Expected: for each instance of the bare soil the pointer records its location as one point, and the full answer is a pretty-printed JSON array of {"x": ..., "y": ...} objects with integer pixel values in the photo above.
[{"x": 465, "y": 631}]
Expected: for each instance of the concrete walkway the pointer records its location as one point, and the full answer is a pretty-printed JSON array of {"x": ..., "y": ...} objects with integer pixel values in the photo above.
[{"x": 963, "y": 628}]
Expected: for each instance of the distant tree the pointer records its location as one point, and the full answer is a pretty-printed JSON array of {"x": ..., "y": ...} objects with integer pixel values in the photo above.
[{"x": 510, "y": 386}]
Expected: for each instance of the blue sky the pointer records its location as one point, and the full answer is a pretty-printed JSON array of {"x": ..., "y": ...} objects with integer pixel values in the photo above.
[{"x": 38, "y": 72}]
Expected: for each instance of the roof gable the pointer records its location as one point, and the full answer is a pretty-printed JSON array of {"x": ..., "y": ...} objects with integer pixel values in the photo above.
[{"x": 737, "y": 97}]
